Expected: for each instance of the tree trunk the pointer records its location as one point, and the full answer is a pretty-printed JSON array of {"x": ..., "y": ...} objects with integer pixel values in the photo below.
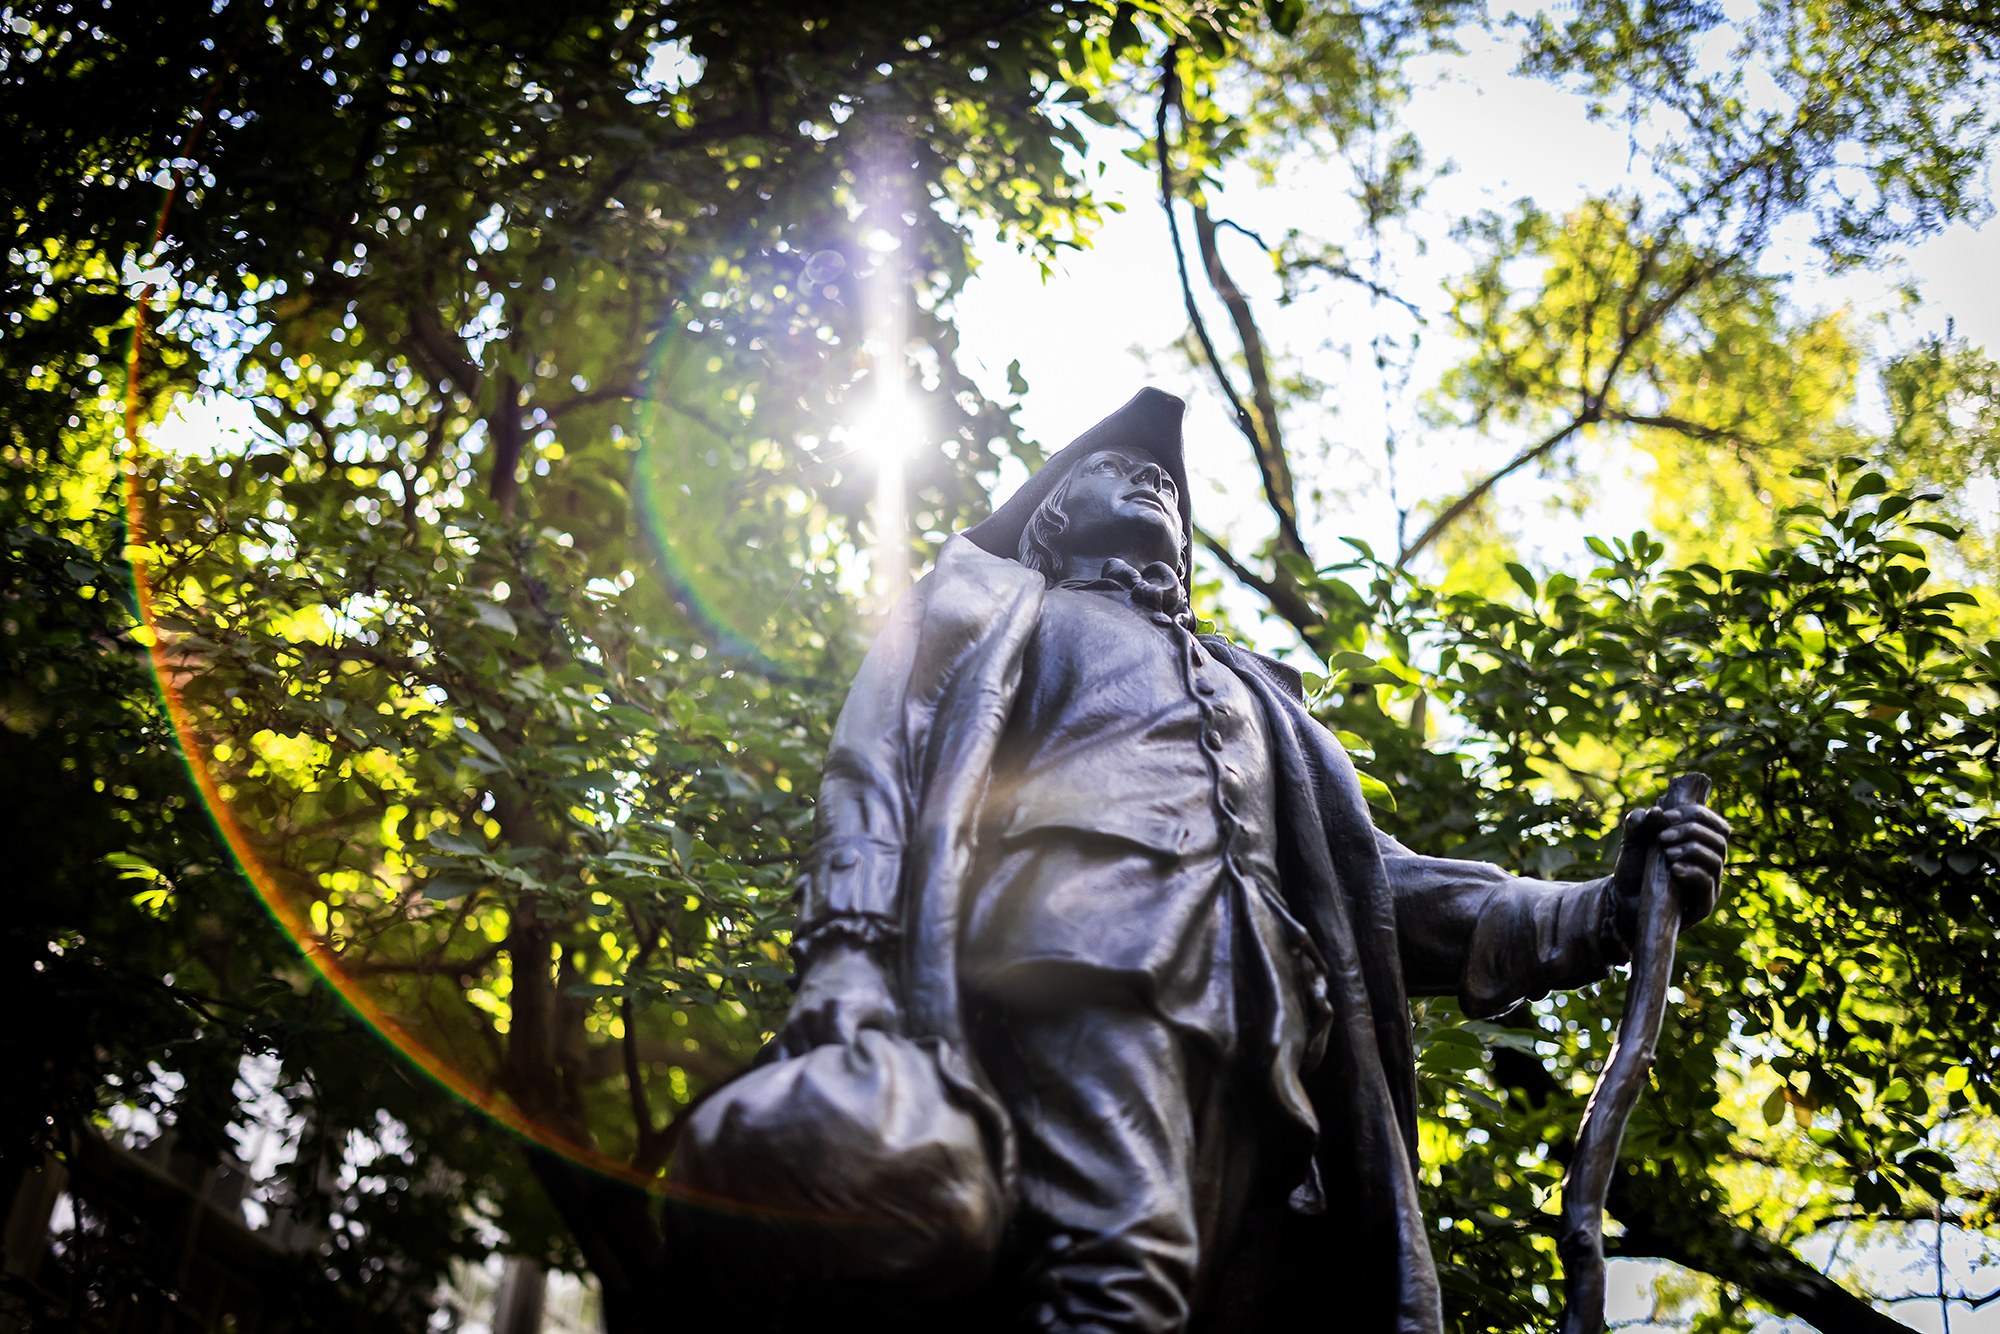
[
  {"x": 517, "y": 1307},
  {"x": 30, "y": 1203},
  {"x": 504, "y": 425},
  {"x": 615, "y": 1227}
]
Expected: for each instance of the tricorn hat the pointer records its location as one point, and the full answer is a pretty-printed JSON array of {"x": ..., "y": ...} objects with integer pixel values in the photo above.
[{"x": 1149, "y": 424}]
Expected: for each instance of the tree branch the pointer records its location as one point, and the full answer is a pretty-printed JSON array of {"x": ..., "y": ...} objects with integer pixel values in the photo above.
[
  {"x": 1347, "y": 274},
  {"x": 1664, "y": 1224},
  {"x": 590, "y": 398},
  {"x": 635, "y": 1084},
  {"x": 509, "y": 438},
  {"x": 1965, "y": 1298},
  {"x": 429, "y": 337},
  {"x": 1667, "y": 422},
  {"x": 433, "y": 446},
  {"x": 1630, "y": 332},
  {"x": 1772, "y": 1273},
  {"x": 1170, "y": 97},
  {"x": 1285, "y": 599},
  {"x": 1268, "y": 443}
]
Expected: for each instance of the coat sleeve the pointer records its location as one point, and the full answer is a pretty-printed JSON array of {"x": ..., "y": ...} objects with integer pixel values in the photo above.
[
  {"x": 953, "y": 642},
  {"x": 853, "y": 872},
  {"x": 1469, "y": 928}
]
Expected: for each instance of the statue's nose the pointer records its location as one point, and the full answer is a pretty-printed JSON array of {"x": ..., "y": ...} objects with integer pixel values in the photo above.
[{"x": 1152, "y": 474}]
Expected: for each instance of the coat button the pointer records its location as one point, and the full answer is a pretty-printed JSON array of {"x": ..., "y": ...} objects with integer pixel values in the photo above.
[
  {"x": 1204, "y": 687},
  {"x": 846, "y": 859}
]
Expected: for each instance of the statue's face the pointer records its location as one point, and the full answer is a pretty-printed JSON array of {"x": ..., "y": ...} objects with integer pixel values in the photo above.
[{"x": 1123, "y": 504}]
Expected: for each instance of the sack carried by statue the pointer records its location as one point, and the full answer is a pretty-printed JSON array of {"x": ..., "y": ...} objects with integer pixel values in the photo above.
[{"x": 875, "y": 1161}]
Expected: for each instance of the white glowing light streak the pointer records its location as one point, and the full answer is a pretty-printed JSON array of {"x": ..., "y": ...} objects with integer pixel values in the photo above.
[{"x": 890, "y": 429}]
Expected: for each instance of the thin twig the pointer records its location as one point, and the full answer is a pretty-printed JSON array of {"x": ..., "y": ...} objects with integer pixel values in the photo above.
[{"x": 1478, "y": 493}]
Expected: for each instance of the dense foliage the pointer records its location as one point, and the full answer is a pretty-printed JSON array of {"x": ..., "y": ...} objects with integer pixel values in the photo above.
[
  {"x": 1832, "y": 1057},
  {"x": 508, "y": 618},
  {"x": 505, "y": 634}
]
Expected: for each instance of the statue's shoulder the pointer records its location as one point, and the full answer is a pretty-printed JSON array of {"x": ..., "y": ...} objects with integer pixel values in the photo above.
[
  {"x": 967, "y": 595},
  {"x": 961, "y": 560},
  {"x": 1285, "y": 678}
]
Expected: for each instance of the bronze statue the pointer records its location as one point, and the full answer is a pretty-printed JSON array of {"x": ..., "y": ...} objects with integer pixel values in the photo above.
[{"x": 1103, "y": 967}]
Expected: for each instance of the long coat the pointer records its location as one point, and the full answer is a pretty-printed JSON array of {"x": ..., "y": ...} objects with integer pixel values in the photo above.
[{"x": 898, "y": 819}]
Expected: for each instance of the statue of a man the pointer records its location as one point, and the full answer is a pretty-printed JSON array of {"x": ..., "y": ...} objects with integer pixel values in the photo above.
[{"x": 1120, "y": 868}]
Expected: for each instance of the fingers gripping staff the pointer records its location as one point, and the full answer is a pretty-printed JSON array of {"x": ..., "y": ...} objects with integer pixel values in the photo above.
[{"x": 1581, "y": 1240}]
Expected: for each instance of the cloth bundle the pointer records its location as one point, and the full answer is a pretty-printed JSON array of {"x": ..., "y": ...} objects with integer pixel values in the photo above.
[{"x": 879, "y": 1161}]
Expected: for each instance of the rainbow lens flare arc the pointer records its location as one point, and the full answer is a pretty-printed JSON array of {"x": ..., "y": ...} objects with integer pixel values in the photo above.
[
  {"x": 733, "y": 618},
  {"x": 290, "y": 915}
]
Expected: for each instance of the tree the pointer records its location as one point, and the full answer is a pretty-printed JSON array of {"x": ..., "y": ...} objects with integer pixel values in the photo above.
[
  {"x": 149, "y": 979},
  {"x": 1832, "y": 1059},
  {"x": 506, "y": 639},
  {"x": 1655, "y": 316},
  {"x": 503, "y": 647}
]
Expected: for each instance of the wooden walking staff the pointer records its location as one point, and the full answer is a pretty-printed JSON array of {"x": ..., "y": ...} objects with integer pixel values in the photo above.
[{"x": 1581, "y": 1240}]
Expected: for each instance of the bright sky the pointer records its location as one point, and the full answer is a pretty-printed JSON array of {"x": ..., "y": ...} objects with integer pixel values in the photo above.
[{"x": 1089, "y": 337}]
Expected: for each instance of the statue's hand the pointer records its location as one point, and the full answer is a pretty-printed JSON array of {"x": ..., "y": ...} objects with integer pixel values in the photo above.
[
  {"x": 844, "y": 991},
  {"x": 1695, "y": 842}
]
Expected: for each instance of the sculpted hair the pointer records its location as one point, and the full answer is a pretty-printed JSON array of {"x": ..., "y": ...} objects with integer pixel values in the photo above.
[
  {"x": 1038, "y": 540},
  {"x": 1046, "y": 526}
]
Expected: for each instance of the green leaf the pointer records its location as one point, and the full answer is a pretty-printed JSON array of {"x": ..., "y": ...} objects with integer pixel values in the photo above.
[
  {"x": 683, "y": 843},
  {"x": 131, "y": 866},
  {"x": 1285, "y": 15},
  {"x": 1375, "y": 791},
  {"x": 1519, "y": 574},
  {"x": 1298, "y": 567},
  {"x": 482, "y": 745},
  {"x": 1454, "y": 1056},
  {"x": 1930, "y": 1159},
  {"x": 450, "y": 886},
  {"x": 495, "y": 616}
]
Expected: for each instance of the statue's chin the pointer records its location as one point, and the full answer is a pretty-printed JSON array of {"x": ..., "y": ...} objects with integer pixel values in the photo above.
[{"x": 1138, "y": 541}]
